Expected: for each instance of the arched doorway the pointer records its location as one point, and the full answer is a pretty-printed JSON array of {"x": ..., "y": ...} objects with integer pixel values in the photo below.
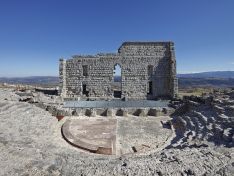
[{"x": 117, "y": 84}]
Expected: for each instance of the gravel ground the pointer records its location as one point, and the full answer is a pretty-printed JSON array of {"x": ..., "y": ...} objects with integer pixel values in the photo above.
[{"x": 31, "y": 144}]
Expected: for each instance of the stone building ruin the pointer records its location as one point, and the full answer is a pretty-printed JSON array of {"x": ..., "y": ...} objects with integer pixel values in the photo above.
[{"x": 148, "y": 72}]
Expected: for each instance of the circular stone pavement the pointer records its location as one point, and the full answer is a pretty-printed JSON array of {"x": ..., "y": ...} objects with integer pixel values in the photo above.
[{"x": 117, "y": 136}]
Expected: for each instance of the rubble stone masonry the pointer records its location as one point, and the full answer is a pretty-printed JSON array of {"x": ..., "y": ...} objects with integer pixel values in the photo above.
[{"x": 148, "y": 71}]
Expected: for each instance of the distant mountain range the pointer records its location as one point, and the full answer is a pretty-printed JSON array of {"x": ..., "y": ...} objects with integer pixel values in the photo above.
[
  {"x": 218, "y": 79},
  {"x": 209, "y": 79},
  {"x": 214, "y": 74},
  {"x": 206, "y": 82}
]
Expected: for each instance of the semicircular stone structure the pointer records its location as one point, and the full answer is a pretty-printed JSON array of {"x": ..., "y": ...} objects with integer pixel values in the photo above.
[
  {"x": 94, "y": 135},
  {"x": 117, "y": 136}
]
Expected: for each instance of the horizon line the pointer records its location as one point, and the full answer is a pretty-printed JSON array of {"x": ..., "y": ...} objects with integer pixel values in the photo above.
[{"x": 117, "y": 75}]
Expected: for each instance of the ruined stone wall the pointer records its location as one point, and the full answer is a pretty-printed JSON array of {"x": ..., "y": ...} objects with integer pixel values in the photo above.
[{"x": 135, "y": 59}]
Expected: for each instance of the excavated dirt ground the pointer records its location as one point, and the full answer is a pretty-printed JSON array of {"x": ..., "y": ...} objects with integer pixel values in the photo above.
[{"x": 31, "y": 143}]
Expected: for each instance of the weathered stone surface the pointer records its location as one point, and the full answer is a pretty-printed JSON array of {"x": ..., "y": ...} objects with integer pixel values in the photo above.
[
  {"x": 202, "y": 119},
  {"x": 148, "y": 72},
  {"x": 94, "y": 135},
  {"x": 31, "y": 143}
]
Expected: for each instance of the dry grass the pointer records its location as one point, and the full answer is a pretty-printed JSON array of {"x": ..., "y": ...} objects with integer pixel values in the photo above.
[{"x": 194, "y": 91}]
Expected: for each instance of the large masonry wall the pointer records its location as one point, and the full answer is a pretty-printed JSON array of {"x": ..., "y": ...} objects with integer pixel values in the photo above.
[{"x": 148, "y": 72}]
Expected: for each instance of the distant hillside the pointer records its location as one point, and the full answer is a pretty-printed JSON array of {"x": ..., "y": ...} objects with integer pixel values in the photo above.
[
  {"x": 117, "y": 78},
  {"x": 205, "y": 79},
  {"x": 215, "y": 74},
  {"x": 206, "y": 82},
  {"x": 31, "y": 80}
]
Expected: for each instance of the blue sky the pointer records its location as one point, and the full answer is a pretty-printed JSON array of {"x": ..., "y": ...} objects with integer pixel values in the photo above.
[{"x": 34, "y": 34}]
